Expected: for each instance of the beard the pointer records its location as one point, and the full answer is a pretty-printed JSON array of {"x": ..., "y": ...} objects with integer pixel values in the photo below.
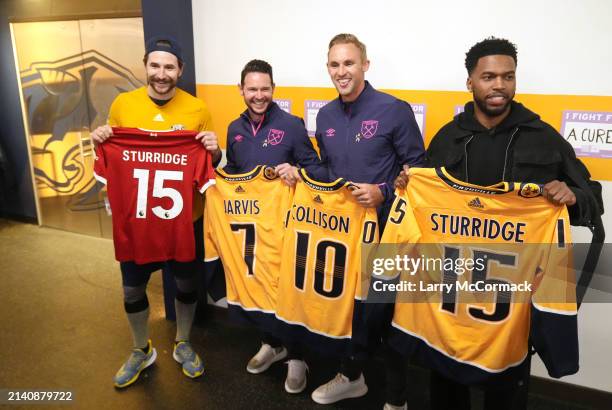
[
  {"x": 492, "y": 111},
  {"x": 168, "y": 84}
]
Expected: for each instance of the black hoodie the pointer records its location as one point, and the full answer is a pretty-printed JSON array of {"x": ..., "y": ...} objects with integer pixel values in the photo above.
[
  {"x": 522, "y": 148},
  {"x": 487, "y": 146}
]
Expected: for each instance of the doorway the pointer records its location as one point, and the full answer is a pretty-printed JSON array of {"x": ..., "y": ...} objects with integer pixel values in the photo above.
[{"x": 69, "y": 74}]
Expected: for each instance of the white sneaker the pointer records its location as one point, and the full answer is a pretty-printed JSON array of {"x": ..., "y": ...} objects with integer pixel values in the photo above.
[
  {"x": 265, "y": 357},
  {"x": 339, "y": 388},
  {"x": 296, "y": 376},
  {"x": 392, "y": 407}
]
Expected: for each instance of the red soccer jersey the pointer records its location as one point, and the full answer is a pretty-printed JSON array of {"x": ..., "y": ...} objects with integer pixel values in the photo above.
[{"x": 150, "y": 177}]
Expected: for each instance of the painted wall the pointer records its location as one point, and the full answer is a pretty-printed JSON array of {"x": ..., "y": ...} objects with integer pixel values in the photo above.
[
  {"x": 18, "y": 201},
  {"x": 417, "y": 51}
]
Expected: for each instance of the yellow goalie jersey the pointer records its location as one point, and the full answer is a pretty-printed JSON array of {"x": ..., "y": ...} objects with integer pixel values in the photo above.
[
  {"x": 490, "y": 271},
  {"x": 244, "y": 226},
  {"x": 320, "y": 280}
]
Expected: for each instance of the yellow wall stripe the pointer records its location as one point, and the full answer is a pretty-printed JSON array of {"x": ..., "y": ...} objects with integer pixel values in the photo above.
[{"x": 226, "y": 104}]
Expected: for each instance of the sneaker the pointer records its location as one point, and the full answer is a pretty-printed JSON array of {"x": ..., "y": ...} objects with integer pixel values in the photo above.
[
  {"x": 393, "y": 407},
  {"x": 339, "y": 388},
  {"x": 296, "y": 376},
  {"x": 136, "y": 363},
  {"x": 265, "y": 357},
  {"x": 186, "y": 356}
]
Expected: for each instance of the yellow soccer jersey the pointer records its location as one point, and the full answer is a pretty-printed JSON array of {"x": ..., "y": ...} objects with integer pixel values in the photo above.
[
  {"x": 135, "y": 109},
  {"x": 244, "y": 221},
  {"x": 321, "y": 264},
  {"x": 513, "y": 236}
]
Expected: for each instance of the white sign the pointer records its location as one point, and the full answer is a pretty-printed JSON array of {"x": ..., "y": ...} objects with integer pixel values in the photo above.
[
  {"x": 419, "y": 115},
  {"x": 284, "y": 105},
  {"x": 590, "y": 133},
  {"x": 311, "y": 109}
]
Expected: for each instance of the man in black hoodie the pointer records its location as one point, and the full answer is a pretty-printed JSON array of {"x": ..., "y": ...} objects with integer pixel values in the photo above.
[{"x": 497, "y": 139}]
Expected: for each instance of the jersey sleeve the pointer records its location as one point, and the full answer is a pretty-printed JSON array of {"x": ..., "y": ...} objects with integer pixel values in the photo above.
[
  {"x": 210, "y": 248},
  {"x": 370, "y": 319},
  {"x": 399, "y": 238},
  {"x": 214, "y": 275},
  {"x": 100, "y": 164},
  {"x": 402, "y": 229},
  {"x": 554, "y": 322},
  {"x": 369, "y": 240},
  {"x": 204, "y": 173}
]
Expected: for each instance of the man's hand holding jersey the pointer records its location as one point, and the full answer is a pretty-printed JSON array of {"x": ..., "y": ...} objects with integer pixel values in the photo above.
[
  {"x": 211, "y": 144},
  {"x": 368, "y": 195},
  {"x": 558, "y": 193},
  {"x": 101, "y": 134},
  {"x": 288, "y": 173},
  {"x": 401, "y": 181}
]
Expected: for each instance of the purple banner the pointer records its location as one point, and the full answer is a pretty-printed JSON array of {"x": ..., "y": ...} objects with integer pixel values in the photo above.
[{"x": 588, "y": 116}]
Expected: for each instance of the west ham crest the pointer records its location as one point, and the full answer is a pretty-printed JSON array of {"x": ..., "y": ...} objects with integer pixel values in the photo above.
[
  {"x": 369, "y": 128},
  {"x": 275, "y": 136}
]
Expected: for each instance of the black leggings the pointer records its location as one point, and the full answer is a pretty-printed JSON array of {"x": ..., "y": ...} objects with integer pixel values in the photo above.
[
  {"x": 136, "y": 277},
  {"x": 447, "y": 394}
]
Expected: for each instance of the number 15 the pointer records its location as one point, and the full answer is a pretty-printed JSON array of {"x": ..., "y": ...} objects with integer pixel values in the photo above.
[{"x": 159, "y": 191}]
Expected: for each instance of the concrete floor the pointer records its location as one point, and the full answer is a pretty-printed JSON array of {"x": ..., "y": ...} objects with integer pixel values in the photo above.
[{"x": 64, "y": 328}]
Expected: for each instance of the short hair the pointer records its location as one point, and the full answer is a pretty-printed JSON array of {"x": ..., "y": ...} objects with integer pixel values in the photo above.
[
  {"x": 345, "y": 38},
  {"x": 487, "y": 47},
  {"x": 256, "y": 66}
]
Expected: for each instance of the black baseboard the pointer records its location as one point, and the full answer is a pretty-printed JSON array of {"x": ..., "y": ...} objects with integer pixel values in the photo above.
[
  {"x": 18, "y": 218},
  {"x": 571, "y": 393}
]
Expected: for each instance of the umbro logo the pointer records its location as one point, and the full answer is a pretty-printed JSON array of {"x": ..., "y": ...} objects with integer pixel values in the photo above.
[
  {"x": 330, "y": 132},
  {"x": 475, "y": 203},
  {"x": 318, "y": 199},
  {"x": 240, "y": 189},
  {"x": 158, "y": 118}
]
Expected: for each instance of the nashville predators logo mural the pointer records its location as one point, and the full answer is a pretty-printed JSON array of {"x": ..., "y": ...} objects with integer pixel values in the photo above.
[{"x": 64, "y": 99}]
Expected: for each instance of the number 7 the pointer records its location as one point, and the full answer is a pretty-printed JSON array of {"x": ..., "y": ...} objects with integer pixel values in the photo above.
[{"x": 249, "y": 244}]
